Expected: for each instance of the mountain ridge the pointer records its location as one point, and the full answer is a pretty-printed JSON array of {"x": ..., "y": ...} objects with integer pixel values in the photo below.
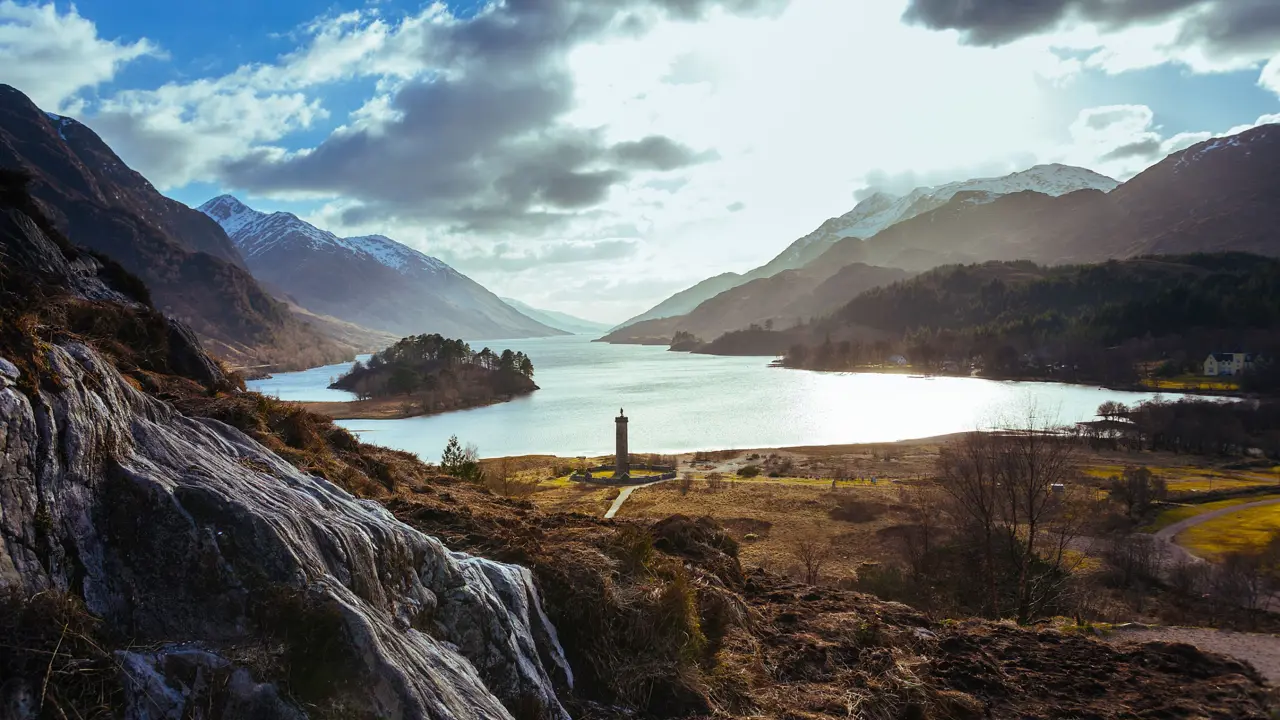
[{"x": 370, "y": 280}]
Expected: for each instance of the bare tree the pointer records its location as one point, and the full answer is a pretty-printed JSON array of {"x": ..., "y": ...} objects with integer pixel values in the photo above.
[
  {"x": 812, "y": 551},
  {"x": 923, "y": 508},
  {"x": 967, "y": 475},
  {"x": 715, "y": 481},
  {"x": 1011, "y": 495},
  {"x": 686, "y": 483},
  {"x": 1035, "y": 463}
]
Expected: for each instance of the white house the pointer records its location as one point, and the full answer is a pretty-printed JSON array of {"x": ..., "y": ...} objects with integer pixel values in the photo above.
[{"x": 1228, "y": 363}]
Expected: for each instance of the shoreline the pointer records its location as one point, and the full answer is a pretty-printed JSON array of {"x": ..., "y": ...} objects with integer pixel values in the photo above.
[{"x": 393, "y": 408}]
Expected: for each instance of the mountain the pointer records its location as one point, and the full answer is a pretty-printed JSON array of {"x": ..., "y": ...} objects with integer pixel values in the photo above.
[
  {"x": 371, "y": 280},
  {"x": 1220, "y": 195},
  {"x": 558, "y": 320},
  {"x": 883, "y": 210},
  {"x": 193, "y": 271},
  {"x": 687, "y": 299}
]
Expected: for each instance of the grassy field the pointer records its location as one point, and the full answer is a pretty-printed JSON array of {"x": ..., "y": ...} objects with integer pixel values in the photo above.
[
  {"x": 1248, "y": 529},
  {"x": 1182, "y": 474},
  {"x": 1191, "y": 382},
  {"x": 766, "y": 516},
  {"x": 1183, "y": 512}
]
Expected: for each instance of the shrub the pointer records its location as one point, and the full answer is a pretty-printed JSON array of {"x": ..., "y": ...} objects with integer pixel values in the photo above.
[{"x": 749, "y": 471}]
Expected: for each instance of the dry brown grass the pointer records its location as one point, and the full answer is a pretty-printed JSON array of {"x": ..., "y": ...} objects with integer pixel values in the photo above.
[{"x": 764, "y": 517}]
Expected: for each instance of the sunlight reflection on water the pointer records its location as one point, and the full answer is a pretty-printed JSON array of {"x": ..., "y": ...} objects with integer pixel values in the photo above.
[{"x": 679, "y": 402}]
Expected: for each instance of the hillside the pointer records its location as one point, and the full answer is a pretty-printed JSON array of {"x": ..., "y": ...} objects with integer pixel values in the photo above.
[
  {"x": 1091, "y": 321},
  {"x": 558, "y": 320},
  {"x": 192, "y": 269},
  {"x": 372, "y": 280},
  {"x": 687, "y": 299}
]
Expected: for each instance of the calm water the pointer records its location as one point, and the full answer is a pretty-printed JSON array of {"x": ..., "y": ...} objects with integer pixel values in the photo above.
[{"x": 679, "y": 402}]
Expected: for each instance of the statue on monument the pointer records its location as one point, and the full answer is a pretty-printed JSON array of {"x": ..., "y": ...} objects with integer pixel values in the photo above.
[{"x": 622, "y": 460}]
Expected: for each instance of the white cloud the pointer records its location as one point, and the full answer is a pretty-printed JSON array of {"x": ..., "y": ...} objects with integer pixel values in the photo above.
[
  {"x": 52, "y": 56},
  {"x": 1270, "y": 78},
  {"x": 185, "y": 131},
  {"x": 1123, "y": 140}
]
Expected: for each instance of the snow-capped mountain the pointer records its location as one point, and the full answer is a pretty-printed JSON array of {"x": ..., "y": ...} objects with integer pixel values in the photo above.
[
  {"x": 370, "y": 280},
  {"x": 882, "y": 210}
]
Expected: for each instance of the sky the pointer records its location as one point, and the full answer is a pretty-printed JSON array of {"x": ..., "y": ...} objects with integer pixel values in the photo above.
[{"x": 594, "y": 157}]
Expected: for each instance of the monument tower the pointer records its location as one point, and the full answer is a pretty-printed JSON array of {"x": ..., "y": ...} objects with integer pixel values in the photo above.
[{"x": 621, "y": 462}]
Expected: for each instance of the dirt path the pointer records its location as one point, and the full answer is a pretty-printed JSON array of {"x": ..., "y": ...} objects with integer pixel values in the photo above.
[
  {"x": 1175, "y": 551},
  {"x": 1262, "y": 651}
]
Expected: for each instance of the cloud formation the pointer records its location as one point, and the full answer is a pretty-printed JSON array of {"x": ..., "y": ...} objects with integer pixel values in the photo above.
[
  {"x": 996, "y": 22},
  {"x": 508, "y": 258},
  {"x": 479, "y": 141},
  {"x": 52, "y": 56}
]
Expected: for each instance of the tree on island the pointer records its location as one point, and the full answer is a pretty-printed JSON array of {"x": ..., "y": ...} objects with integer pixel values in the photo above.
[{"x": 425, "y": 364}]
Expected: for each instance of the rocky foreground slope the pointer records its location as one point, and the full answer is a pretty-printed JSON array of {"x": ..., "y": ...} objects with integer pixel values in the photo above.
[{"x": 171, "y": 546}]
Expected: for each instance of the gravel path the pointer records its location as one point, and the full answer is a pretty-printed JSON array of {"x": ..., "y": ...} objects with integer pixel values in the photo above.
[{"x": 1261, "y": 651}]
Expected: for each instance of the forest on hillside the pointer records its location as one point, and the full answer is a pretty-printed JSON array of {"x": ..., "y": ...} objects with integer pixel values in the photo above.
[
  {"x": 435, "y": 365},
  {"x": 1106, "y": 322}
]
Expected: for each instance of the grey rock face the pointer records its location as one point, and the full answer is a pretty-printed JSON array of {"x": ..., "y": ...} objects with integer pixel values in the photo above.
[{"x": 181, "y": 529}]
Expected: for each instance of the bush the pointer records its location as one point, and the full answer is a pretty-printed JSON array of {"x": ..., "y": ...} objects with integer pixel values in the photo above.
[{"x": 749, "y": 471}]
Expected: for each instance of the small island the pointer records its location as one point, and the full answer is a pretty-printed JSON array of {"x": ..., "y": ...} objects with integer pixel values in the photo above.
[{"x": 426, "y": 375}]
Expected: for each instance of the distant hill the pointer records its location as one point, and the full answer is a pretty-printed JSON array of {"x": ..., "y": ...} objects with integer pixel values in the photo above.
[
  {"x": 558, "y": 320},
  {"x": 878, "y": 212},
  {"x": 193, "y": 271},
  {"x": 789, "y": 298},
  {"x": 687, "y": 299},
  {"x": 372, "y": 280}
]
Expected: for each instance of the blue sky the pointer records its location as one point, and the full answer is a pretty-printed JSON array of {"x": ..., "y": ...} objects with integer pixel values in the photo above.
[{"x": 542, "y": 150}]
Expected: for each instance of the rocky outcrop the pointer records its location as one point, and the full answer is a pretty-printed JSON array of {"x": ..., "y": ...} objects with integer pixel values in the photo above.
[{"x": 177, "y": 528}]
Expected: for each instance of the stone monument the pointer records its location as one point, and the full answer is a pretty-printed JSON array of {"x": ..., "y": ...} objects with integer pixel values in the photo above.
[{"x": 622, "y": 461}]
